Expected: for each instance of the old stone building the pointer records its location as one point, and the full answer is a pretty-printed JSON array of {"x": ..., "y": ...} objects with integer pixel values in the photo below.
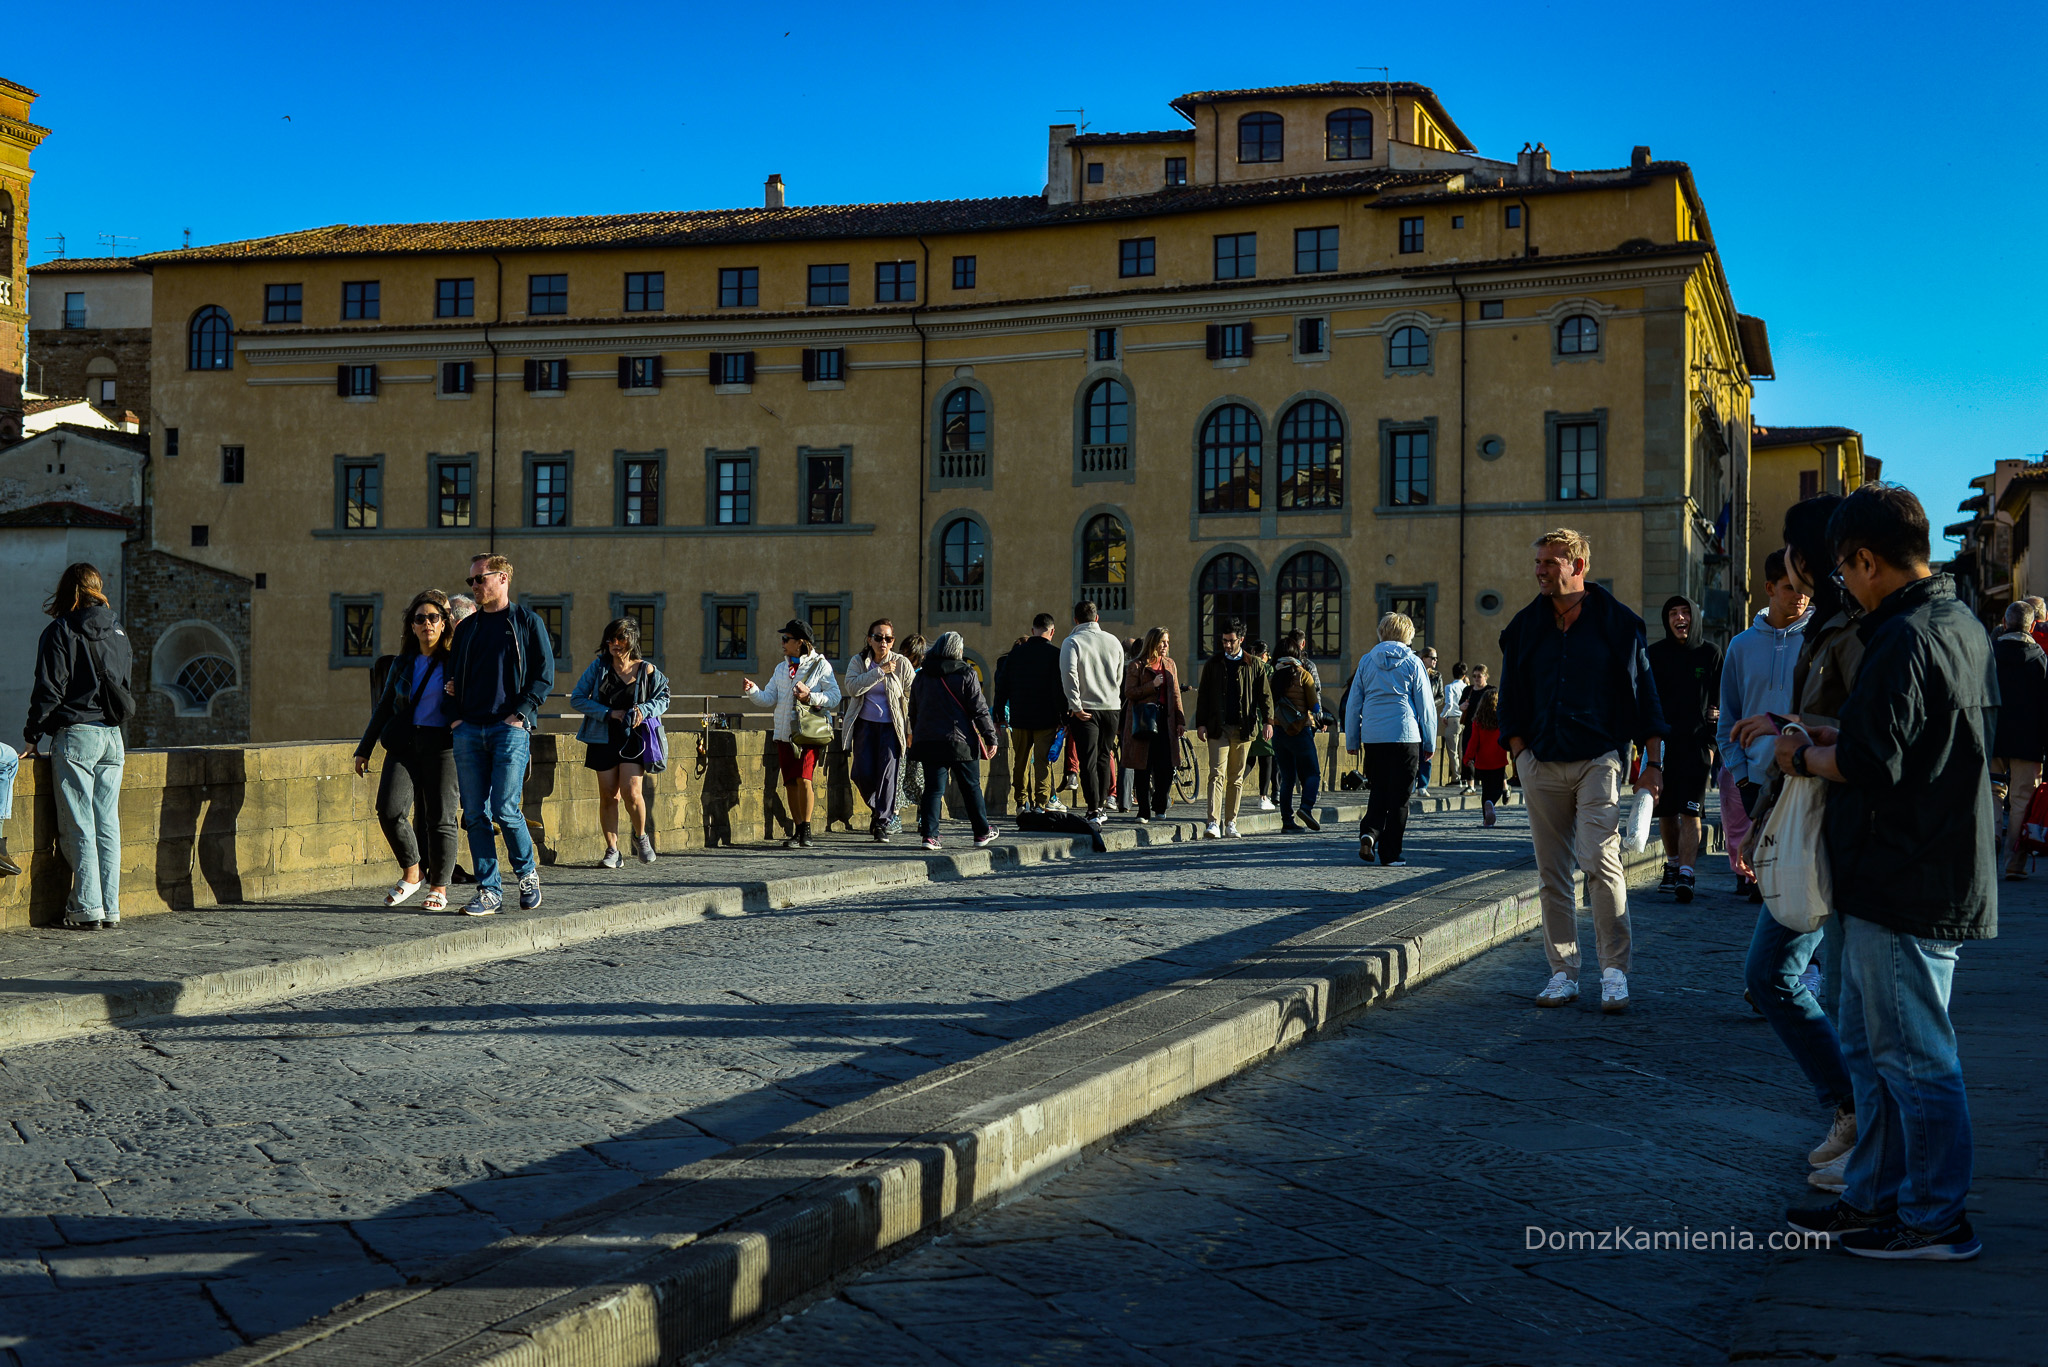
[
  {"x": 1310, "y": 357},
  {"x": 18, "y": 138},
  {"x": 89, "y": 333}
]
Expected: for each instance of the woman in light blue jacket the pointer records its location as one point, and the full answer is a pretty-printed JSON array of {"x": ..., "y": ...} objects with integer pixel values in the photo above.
[
  {"x": 1391, "y": 715},
  {"x": 616, "y": 693}
]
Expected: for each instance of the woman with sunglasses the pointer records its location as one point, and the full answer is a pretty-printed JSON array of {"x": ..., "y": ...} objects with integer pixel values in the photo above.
[
  {"x": 803, "y": 693},
  {"x": 412, "y": 718},
  {"x": 878, "y": 725},
  {"x": 617, "y": 693}
]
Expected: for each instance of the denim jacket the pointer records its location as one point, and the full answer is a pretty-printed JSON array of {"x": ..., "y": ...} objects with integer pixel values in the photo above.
[{"x": 650, "y": 686}]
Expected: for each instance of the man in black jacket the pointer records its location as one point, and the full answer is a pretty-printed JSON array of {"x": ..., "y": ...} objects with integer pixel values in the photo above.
[
  {"x": 1575, "y": 693},
  {"x": 2021, "y": 737},
  {"x": 1912, "y": 847},
  {"x": 1028, "y": 685},
  {"x": 1688, "y": 676}
]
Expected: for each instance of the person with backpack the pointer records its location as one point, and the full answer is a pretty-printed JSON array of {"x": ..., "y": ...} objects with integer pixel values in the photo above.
[
  {"x": 1028, "y": 693},
  {"x": 950, "y": 730},
  {"x": 79, "y": 700},
  {"x": 803, "y": 693},
  {"x": 2021, "y": 738},
  {"x": 877, "y": 725},
  {"x": 1297, "y": 708},
  {"x": 412, "y": 718},
  {"x": 619, "y": 695},
  {"x": 1153, "y": 722},
  {"x": 1484, "y": 755}
]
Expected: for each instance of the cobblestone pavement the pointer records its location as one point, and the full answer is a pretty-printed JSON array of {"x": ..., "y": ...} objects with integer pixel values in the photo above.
[
  {"x": 171, "y": 1192},
  {"x": 1371, "y": 1198}
]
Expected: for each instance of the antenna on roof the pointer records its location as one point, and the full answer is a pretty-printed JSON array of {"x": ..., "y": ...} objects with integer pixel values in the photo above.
[
  {"x": 1386, "y": 98},
  {"x": 114, "y": 241},
  {"x": 1082, "y": 127},
  {"x": 188, "y": 237},
  {"x": 57, "y": 238}
]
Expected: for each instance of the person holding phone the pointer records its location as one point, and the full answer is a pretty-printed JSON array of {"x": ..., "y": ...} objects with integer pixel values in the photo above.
[{"x": 878, "y": 725}]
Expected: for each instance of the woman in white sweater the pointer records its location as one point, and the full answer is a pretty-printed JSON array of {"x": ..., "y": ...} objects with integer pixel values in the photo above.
[{"x": 803, "y": 693}]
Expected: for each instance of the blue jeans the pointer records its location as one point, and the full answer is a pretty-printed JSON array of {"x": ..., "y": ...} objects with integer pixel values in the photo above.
[
  {"x": 86, "y": 762},
  {"x": 1912, "y": 1117},
  {"x": 1777, "y": 957},
  {"x": 932, "y": 804},
  {"x": 9, "y": 763},
  {"x": 1295, "y": 766},
  {"x": 490, "y": 771}
]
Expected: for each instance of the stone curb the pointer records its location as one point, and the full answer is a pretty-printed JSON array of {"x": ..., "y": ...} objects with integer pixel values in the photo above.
[
  {"x": 56, "y": 1015},
  {"x": 666, "y": 1269}
]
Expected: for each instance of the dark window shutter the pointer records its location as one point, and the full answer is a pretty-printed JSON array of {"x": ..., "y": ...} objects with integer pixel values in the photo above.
[
  {"x": 718, "y": 367},
  {"x": 625, "y": 372},
  {"x": 532, "y": 376},
  {"x": 749, "y": 364},
  {"x": 654, "y": 371},
  {"x": 448, "y": 374},
  {"x": 1215, "y": 341},
  {"x": 810, "y": 365},
  {"x": 373, "y": 379},
  {"x": 341, "y": 380}
]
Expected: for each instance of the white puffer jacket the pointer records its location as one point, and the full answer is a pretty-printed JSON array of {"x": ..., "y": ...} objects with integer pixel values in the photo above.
[{"x": 814, "y": 672}]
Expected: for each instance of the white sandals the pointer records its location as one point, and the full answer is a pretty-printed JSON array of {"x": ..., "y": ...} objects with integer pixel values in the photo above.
[
  {"x": 400, "y": 891},
  {"x": 436, "y": 901}
]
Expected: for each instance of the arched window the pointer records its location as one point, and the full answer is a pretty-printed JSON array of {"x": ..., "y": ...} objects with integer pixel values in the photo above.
[
  {"x": 1108, "y": 419},
  {"x": 1347, "y": 135},
  {"x": 1230, "y": 460},
  {"x": 7, "y": 237},
  {"x": 1408, "y": 347},
  {"x": 1312, "y": 456},
  {"x": 963, "y": 567},
  {"x": 1578, "y": 335},
  {"x": 965, "y": 426},
  {"x": 192, "y": 663},
  {"x": 1229, "y": 588},
  {"x": 1259, "y": 137},
  {"x": 213, "y": 344},
  {"x": 1311, "y": 601},
  {"x": 1105, "y": 563}
]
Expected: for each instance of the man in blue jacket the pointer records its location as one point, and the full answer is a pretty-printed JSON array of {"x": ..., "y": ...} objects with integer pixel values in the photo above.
[
  {"x": 1576, "y": 691},
  {"x": 501, "y": 669}
]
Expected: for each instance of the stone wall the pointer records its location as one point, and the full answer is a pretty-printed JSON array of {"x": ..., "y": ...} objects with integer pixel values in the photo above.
[
  {"x": 163, "y": 591},
  {"x": 58, "y": 358}
]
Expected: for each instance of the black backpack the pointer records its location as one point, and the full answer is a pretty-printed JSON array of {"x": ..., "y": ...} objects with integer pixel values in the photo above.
[{"x": 115, "y": 702}]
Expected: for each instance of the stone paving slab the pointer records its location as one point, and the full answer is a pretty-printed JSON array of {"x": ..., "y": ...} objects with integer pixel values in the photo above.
[{"x": 55, "y": 982}]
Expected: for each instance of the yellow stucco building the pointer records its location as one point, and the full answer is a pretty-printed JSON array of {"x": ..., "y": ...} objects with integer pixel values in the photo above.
[
  {"x": 1788, "y": 464},
  {"x": 1304, "y": 359},
  {"x": 18, "y": 138}
]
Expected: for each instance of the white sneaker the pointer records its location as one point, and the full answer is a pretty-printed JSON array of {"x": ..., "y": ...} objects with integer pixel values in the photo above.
[
  {"x": 1832, "y": 1176},
  {"x": 1613, "y": 990},
  {"x": 1054, "y": 807},
  {"x": 612, "y": 859},
  {"x": 1213, "y": 831},
  {"x": 1487, "y": 817},
  {"x": 1841, "y": 1138},
  {"x": 1560, "y": 990},
  {"x": 1230, "y": 830},
  {"x": 1266, "y": 805}
]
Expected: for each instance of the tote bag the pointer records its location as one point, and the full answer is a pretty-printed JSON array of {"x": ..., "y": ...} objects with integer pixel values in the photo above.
[{"x": 1791, "y": 863}]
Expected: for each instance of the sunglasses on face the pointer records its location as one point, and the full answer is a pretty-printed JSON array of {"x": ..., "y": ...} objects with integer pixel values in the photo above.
[
  {"x": 885, "y": 640},
  {"x": 476, "y": 579},
  {"x": 420, "y": 619}
]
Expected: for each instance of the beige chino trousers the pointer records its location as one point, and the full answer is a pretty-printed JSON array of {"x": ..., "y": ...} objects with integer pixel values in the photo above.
[{"x": 1575, "y": 823}]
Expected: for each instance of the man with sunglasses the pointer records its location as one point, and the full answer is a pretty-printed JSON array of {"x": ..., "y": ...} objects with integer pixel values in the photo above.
[{"x": 502, "y": 668}]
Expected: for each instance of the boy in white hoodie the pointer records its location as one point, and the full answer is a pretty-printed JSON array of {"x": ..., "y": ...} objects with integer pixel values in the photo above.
[{"x": 1756, "y": 677}]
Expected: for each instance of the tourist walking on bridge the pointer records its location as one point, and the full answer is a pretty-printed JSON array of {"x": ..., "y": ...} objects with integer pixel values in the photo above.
[
  {"x": 1153, "y": 722},
  {"x": 1028, "y": 691},
  {"x": 1576, "y": 691},
  {"x": 950, "y": 731},
  {"x": 1091, "y": 679},
  {"x": 501, "y": 669},
  {"x": 2022, "y": 735},
  {"x": 803, "y": 693},
  {"x": 1392, "y": 716},
  {"x": 878, "y": 725},
  {"x": 79, "y": 699},
  {"x": 1297, "y": 712},
  {"x": 1688, "y": 677},
  {"x": 618, "y": 694},
  {"x": 412, "y": 718},
  {"x": 1233, "y": 703}
]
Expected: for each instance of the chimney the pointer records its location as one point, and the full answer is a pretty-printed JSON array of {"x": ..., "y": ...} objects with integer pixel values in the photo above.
[
  {"x": 1639, "y": 158},
  {"x": 1059, "y": 164},
  {"x": 775, "y": 191},
  {"x": 1532, "y": 165}
]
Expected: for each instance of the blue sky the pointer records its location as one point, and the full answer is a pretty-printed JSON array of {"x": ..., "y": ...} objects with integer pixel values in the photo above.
[{"x": 1870, "y": 171}]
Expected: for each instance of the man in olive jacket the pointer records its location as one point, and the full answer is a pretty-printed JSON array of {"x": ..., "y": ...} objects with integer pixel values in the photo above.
[
  {"x": 1912, "y": 847},
  {"x": 1233, "y": 706}
]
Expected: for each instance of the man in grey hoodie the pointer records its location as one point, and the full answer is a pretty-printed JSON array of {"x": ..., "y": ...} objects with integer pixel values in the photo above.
[
  {"x": 1091, "y": 677},
  {"x": 1756, "y": 678}
]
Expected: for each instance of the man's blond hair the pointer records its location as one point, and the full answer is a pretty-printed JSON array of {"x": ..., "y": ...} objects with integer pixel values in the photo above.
[
  {"x": 1576, "y": 545},
  {"x": 493, "y": 564}
]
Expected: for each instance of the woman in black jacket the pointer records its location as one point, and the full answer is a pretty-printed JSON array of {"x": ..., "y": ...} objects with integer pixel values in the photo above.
[
  {"x": 412, "y": 718},
  {"x": 950, "y": 729}
]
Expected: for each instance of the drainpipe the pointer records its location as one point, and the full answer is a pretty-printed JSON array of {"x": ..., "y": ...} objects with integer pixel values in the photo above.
[
  {"x": 497, "y": 316},
  {"x": 1464, "y": 445},
  {"x": 923, "y": 454},
  {"x": 1525, "y": 224}
]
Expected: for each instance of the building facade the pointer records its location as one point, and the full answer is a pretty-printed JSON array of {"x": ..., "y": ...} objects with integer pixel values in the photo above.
[
  {"x": 18, "y": 138},
  {"x": 1787, "y": 464},
  {"x": 1309, "y": 359},
  {"x": 89, "y": 333}
]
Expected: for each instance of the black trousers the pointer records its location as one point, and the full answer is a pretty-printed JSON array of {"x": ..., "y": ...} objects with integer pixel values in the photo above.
[
  {"x": 1094, "y": 742},
  {"x": 1390, "y": 769},
  {"x": 1155, "y": 781},
  {"x": 420, "y": 772}
]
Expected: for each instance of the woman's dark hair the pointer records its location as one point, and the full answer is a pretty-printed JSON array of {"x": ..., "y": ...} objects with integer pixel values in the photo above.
[
  {"x": 1813, "y": 555},
  {"x": 437, "y": 600},
  {"x": 1487, "y": 712},
  {"x": 79, "y": 586},
  {"x": 625, "y": 629},
  {"x": 1884, "y": 519}
]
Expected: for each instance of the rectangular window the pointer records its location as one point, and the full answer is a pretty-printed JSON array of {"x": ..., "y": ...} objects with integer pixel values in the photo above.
[
  {"x": 1315, "y": 249},
  {"x": 362, "y": 496},
  {"x": 1176, "y": 170},
  {"x": 199, "y": 534},
  {"x": 106, "y": 394},
  {"x": 1491, "y": 308},
  {"x": 170, "y": 441},
  {"x": 1578, "y": 460},
  {"x": 554, "y": 619},
  {"x": 1228, "y": 341},
  {"x": 231, "y": 470},
  {"x": 826, "y": 364},
  {"x": 732, "y": 634},
  {"x": 455, "y": 298},
  {"x": 359, "y": 299},
  {"x": 74, "y": 309},
  {"x": 825, "y": 490},
  {"x": 827, "y": 625},
  {"x": 639, "y": 372},
  {"x": 547, "y": 294},
  {"x": 732, "y": 367},
  {"x": 1408, "y": 469},
  {"x": 458, "y": 377},
  {"x": 1095, "y": 173},
  {"x": 828, "y": 285},
  {"x": 1237, "y": 256},
  {"x": 645, "y": 291},
  {"x": 963, "y": 272},
  {"x": 549, "y": 503},
  {"x": 356, "y": 381},
  {"x": 1134, "y": 256},
  {"x": 739, "y": 287},
  {"x": 640, "y": 493},
  {"x": 647, "y": 612},
  {"x": 454, "y": 481},
  {"x": 1809, "y": 484},
  {"x": 283, "y": 303},
  {"x": 1514, "y": 215},
  {"x": 895, "y": 282},
  {"x": 543, "y": 377},
  {"x": 358, "y": 630},
  {"x": 1415, "y": 607},
  {"x": 1457, "y": 220},
  {"x": 1311, "y": 337},
  {"x": 1105, "y": 344},
  {"x": 733, "y": 492},
  {"x": 1411, "y": 234}
]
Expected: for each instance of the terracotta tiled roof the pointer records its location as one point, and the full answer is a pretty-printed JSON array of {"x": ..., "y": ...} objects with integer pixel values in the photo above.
[
  {"x": 1165, "y": 135},
  {"x": 1358, "y": 90},
  {"x": 1798, "y": 436},
  {"x": 689, "y": 228},
  {"x": 89, "y": 263},
  {"x": 65, "y": 514},
  {"x": 44, "y": 405},
  {"x": 112, "y": 436}
]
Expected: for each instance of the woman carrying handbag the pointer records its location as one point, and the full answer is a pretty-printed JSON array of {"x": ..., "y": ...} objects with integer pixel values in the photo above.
[
  {"x": 950, "y": 729},
  {"x": 620, "y": 695},
  {"x": 1153, "y": 722},
  {"x": 803, "y": 693}
]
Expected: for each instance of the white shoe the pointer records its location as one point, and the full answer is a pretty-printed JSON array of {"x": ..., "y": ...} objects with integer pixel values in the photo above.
[
  {"x": 1054, "y": 807},
  {"x": 612, "y": 859},
  {"x": 1213, "y": 831},
  {"x": 1560, "y": 990},
  {"x": 1487, "y": 818},
  {"x": 1266, "y": 805},
  {"x": 400, "y": 891},
  {"x": 1230, "y": 830},
  {"x": 1841, "y": 1138},
  {"x": 1832, "y": 1176},
  {"x": 643, "y": 847},
  {"x": 1613, "y": 990}
]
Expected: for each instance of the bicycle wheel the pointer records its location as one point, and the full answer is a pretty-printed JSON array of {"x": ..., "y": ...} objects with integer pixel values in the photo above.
[{"x": 1186, "y": 773}]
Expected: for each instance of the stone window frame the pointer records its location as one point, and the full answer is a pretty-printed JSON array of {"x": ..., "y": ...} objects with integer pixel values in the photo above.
[
  {"x": 1552, "y": 421},
  {"x": 1388, "y": 428},
  {"x": 1383, "y": 596},
  {"x": 804, "y": 456},
  {"x": 1128, "y": 612},
  {"x": 1348, "y": 455},
  {"x": 1553, "y": 318},
  {"x": 1426, "y": 366},
  {"x": 659, "y": 457},
  {"x": 1096, "y": 374},
  {"x": 337, "y": 606},
  {"x": 802, "y": 603},
  {"x": 710, "y": 663},
  {"x": 566, "y": 602},
  {"x": 435, "y": 460},
  {"x": 167, "y": 661},
  {"x": 649, "y": 650},
  {"x": 987, "y": 478},
  {"x": 712, "y": 458},
  {"x": 527, "y": 492},
  {"x": 940, "y": 525},
  {"x": 342, "y": 465}
]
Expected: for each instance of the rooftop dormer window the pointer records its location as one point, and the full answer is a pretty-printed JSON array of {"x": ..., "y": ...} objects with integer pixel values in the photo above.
[
  {"x": 1347, "y": 135},
  {"x": 1260, "y": 137}
]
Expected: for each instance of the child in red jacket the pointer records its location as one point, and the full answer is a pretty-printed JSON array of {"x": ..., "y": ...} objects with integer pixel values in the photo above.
[{"x": 1483, "y": 751}]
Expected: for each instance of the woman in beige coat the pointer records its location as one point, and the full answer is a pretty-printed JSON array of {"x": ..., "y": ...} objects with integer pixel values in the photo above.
[{"x": 877, "y": 694}]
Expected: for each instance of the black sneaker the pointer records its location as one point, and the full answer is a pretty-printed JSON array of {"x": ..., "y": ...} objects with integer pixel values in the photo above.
[
  {"x": 1308, "y": 819},
  {"x": 1958, "y": 1243},
  {"x": 1684, "y": 886},
  {"x": 1835, "y": 1220},
  {"x": 1366, "y": 846},
  {"x": 1669, "y": 880}
]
